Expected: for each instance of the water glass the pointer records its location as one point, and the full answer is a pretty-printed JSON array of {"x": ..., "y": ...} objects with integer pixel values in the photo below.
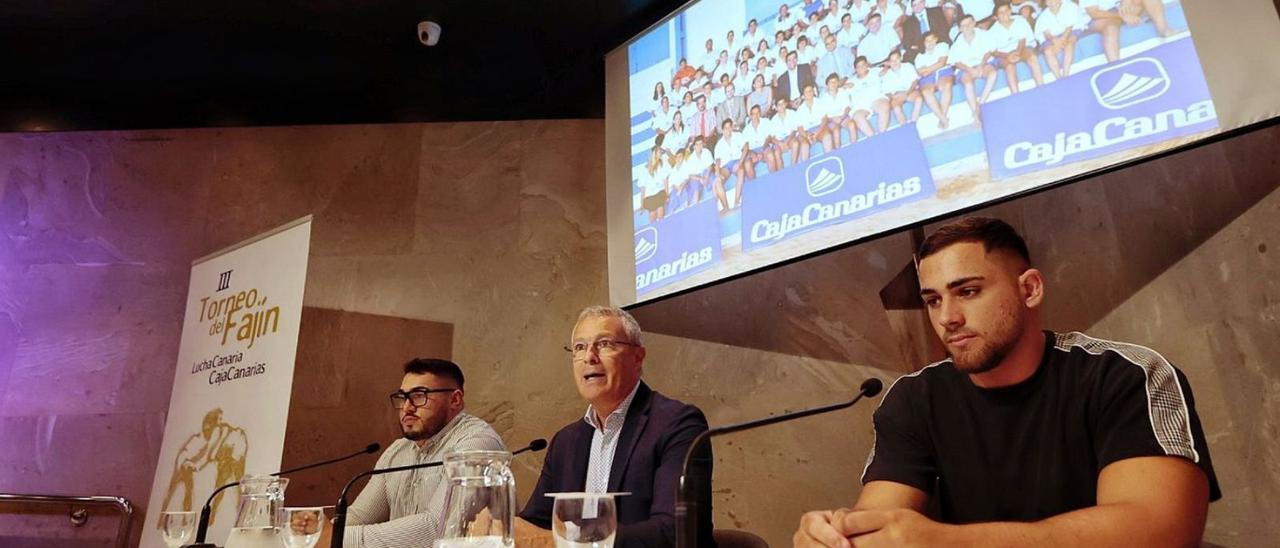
[
  {"x": 177, "y": 528},
  {"x": 301, "y": 527},
  {"x": 584, "y": 520}
]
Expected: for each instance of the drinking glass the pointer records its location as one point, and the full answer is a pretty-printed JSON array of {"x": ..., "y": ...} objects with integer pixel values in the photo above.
[
  {"x": 584, "y": 520},
  {"x": 177, "y": 528},
  {"x": 301, "y": 527}
]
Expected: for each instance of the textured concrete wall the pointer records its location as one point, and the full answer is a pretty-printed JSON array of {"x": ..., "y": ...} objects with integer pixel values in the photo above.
[{"x": 497, "y": 230}]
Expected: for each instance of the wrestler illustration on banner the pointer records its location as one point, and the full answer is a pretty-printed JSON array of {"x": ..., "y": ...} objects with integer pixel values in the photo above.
[{"x": 219, "y": 444}]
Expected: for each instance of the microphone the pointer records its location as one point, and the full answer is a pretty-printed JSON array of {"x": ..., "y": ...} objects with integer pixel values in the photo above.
[
  {"x": 535, "y": 446},
  {"x": 340, "y": 510},
  {"x": 686, "y": 528},
  {"x": 202, "y": 529}
]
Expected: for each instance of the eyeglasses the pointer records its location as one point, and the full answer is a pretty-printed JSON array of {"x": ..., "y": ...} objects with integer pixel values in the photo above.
[
  {"x": 417, "y": 396},
  {"x": 601, "y": 347}
]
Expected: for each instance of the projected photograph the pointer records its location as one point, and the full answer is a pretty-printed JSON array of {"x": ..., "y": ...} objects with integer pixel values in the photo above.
[{"x": 765, "y": 130}]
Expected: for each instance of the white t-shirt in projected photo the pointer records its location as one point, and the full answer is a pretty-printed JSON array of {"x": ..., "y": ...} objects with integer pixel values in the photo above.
[
  {"x": 928, "y": 58},
  {"x": 875, "y": 46},
  {"x": 890, "y": 13},
  {"x": 848, "y": 38},
  {"x": 1069, "y": 16},
  {"x": 652, "y": 183},
  {"x": 756, "y": 134},
  {"x": 809, "y": 116},
  {"x": 728, "y": 149},
  {"x": 833, "y": 104},
  {"x": 865, "y": 92},
  {"x": 979, "y": 9},
  {"x": 970, "y": 52},
  {"x": 698, "y": 163},
  {"x": 1006, "y": 39},
  {"x": 897, "y": 81},
  {"x": 1100, "y": 4},
  {"x": 784, "y": 123}
]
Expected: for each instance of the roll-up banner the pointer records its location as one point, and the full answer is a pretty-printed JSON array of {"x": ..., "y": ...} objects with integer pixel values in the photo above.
[{"x": 231, "y": 388}]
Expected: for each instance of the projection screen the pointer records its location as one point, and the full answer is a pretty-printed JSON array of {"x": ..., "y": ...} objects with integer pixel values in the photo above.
[{"x": 741, "y": 134}]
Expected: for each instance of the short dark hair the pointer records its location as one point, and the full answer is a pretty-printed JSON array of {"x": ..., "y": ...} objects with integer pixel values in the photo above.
[
  {"x": 993, "y": 234},
  {"x": 437, "y": 367}
]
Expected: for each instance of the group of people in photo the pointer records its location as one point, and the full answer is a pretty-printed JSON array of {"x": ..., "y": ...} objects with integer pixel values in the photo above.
[{"x": 834, "y": 72}]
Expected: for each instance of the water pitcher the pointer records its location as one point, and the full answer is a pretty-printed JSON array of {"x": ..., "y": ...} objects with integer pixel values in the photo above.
[
  {"x": 257, "y": 514},
  {"x": 479, "y": 505}
]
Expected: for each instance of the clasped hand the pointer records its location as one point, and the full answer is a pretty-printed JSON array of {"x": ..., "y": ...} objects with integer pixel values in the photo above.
[{"x": 845, "y": 528}]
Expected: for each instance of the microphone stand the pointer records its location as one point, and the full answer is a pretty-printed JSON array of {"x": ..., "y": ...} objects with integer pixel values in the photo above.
[
  {"x": 202, "y": 528},
  {"x": 340, "y": 510},
  {"x": 687, "y": 507}
]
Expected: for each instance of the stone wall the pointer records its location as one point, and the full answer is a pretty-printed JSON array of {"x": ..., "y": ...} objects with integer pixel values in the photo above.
[{"x": 497, "y": 230}]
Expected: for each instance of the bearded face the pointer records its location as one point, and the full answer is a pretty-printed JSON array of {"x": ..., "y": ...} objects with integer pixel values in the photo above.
[{"x": 975, "y": 304}]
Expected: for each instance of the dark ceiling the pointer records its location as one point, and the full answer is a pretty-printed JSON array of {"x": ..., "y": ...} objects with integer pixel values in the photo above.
[{"x": 96, "y": 64}]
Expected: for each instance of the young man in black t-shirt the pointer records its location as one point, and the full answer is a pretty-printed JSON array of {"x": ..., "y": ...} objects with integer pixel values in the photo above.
[{"x": 1023, "y": 437}]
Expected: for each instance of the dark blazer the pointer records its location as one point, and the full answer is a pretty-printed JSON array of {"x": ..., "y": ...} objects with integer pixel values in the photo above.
[
  {"x": 782, "y": 89},
  {"x": 655, "y": 436},
  {"x": 913, "y": 35}
]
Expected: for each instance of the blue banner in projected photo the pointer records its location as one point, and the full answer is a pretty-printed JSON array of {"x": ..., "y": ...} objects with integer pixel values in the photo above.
[
  {"x": 679, "y": 246},
  {"x": 1154, "y": 96},
  {"x": 869, "y": 176}
]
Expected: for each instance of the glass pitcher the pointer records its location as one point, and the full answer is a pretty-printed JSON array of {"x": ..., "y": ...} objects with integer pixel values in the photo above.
[
  {"x": 257, "y": 514},
  {"x": 479, "y": 505}
]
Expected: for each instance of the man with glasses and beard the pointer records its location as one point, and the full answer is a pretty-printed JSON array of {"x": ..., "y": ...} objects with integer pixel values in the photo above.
[
  {"x": 632, "y": 439},
  {"x": 1023, "y": 437},
  {"x": 404, "y": 508}
]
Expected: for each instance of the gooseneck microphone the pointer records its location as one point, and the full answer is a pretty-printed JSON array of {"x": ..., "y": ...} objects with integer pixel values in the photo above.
[
  {"x": 340, "y": 510},
  {"x": 535, "y": 446},
  {"x": 686, "y": 509},
  {"x": 202, "y": 529}
]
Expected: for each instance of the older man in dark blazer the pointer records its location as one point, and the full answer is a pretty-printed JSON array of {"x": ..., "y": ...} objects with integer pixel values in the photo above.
[
  {"x": 632, "y": 440},
  {"x": 918, "y": 22},
  {"x": 792, "y": 81}
]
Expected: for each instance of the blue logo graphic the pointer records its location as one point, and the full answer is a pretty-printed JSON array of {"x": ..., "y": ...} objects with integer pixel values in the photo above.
[
  {"x": 646, "y": 243},
  {"x": 1130, "y": 83},
  {"x": 690, "y": 244},
  {"x": 1159, "y": 96},
  {"x": 824, "y": 176},
  {"x": 885, "y": 171}
]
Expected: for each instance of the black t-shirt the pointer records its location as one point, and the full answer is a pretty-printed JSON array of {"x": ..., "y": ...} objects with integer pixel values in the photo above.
[{"x": 1034, "y": 450}]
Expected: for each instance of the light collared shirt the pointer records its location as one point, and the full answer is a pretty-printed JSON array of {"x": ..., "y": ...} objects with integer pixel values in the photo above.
[
  {"x": 704, "y": 122},
  {"x": 404, "y": 508},
  {"x": 604, "y": 443}
]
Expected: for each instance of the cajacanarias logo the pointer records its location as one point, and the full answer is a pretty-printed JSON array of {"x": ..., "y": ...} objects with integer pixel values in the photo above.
[
  {"x": 646, "y": 244},
  {"x": 824, "y": 176},
  {"x": 1130, "y": 83}
]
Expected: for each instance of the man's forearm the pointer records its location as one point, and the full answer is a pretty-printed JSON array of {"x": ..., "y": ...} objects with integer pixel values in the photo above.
[{"x": 1121, "y": 524}]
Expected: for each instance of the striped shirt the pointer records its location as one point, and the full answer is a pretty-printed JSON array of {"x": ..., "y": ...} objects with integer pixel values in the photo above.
[{"x": 404, "y": 508}]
